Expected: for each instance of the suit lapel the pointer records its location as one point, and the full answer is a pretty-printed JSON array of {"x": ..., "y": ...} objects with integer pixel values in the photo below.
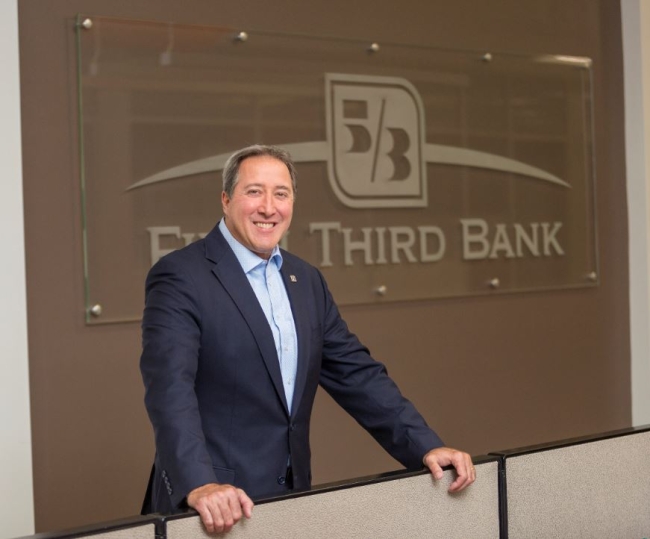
[
  {"x": 300, "y": 307},
  {"x": 230, "y": 274}
]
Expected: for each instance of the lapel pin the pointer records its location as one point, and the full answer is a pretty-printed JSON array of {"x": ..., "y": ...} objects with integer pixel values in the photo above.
[{"x": 293, "y": 278}]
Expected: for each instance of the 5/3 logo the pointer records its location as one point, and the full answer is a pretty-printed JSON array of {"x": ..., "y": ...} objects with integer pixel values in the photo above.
[
  {"x": 375, "y": 133},
  {"x": 375, "y": 150}
]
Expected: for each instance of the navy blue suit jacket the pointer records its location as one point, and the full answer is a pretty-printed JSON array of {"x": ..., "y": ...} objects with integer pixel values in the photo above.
[{"x": 214, "y": 389}]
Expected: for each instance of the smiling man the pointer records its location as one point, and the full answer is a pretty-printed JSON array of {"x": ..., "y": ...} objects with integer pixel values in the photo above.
[
  {"x": 237, "y": 335},
  {"x": 259, "y": 204}
]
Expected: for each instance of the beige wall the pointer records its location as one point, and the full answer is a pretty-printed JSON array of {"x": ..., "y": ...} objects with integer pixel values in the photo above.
[
  {"x": 16, "y": 493},
  {"x": 635, "y": 15},
  {"x": 488, "y": 373}
]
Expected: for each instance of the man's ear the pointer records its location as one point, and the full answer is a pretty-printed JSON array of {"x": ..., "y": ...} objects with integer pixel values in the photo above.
[{"x": 225, "y": 201}]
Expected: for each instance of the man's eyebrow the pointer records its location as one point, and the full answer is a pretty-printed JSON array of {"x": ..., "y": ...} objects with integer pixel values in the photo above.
[{"x": 261, "y": 184}]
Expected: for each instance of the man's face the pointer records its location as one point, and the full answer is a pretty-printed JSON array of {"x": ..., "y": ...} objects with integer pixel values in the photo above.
[{"x": 260, "y": 210}]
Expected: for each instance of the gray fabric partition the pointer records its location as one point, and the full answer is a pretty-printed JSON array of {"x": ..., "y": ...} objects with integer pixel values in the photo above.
[
  {"x": 407, "y": 506},
  {"x": 595, "y": 489}
]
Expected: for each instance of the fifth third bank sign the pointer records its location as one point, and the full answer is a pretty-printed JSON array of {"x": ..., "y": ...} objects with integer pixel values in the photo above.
[
  {"x": 418, "y": 185},
  {"x": 400, "y": 233}
]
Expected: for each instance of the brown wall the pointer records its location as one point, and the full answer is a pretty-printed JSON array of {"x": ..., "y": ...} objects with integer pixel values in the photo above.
[{"x": 488, "y": 373}]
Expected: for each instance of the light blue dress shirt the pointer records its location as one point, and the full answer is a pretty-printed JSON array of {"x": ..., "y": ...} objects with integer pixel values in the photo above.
[{"x": 266, "y": 280}]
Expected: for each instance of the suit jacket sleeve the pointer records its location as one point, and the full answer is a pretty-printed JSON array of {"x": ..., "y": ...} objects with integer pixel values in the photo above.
[
  {"x": 171, "y": 341},
  {"x": 363, "y": 388}
]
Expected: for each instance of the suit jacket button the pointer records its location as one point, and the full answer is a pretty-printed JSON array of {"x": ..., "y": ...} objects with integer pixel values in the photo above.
[
  {"x": 292, "y": 427},
  {"x": 282, "y": 480}
]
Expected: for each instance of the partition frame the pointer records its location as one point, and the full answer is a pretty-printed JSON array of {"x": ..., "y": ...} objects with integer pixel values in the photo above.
[
  {"x": 504, "y": 455},
  {"x": 538, "y": 448}
]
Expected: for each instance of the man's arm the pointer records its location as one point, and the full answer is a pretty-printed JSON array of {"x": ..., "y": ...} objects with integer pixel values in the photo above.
[
  {"x": 171, "y": 338},
  {"x": 363, "y": 388},
  {"x": 171, "y": 335}
]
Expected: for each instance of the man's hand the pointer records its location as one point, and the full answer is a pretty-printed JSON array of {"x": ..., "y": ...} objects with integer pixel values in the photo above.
[
  {"x": 220, "y": 506},
  {"x": 444, "y": 456}
]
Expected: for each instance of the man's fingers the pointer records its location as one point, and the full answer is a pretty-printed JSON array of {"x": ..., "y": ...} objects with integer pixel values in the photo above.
[
  {"x": 206, "y": 518},
  {"x": 246, "y": 503},
  {"x": 465, "y": 470},
  {"x": 432, "y": 461},
  {"x": 211, "y": 510},
  {"x": 462, "y": 462},
  {"x": 471, "y": 476},
  {"x": 232, "y": 509},
  {"x": 220, "y": 506},
  {"x": 463, "y": 479},
  {"x": 219, "y": 521},
  {"x": 455, "y": 486},
  {"x": 436, "y": 470}
]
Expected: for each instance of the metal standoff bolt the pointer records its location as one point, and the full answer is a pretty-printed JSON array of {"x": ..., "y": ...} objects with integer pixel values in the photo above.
[
  {"x": 593, "y": 276},
  {"x": 87, "y": 24},
  {"x": 374, "y": 47},
  {"x": 241, "y": 37},
  {"x": 381, "y": 290},
  {"x": 95, "y": 310},
  {"x": 487, "y": 57},
  {"x": 494, "y": 283}
]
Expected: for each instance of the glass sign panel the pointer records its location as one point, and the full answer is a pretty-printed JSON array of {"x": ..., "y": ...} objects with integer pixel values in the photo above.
[{"x": 422, "y": 173}]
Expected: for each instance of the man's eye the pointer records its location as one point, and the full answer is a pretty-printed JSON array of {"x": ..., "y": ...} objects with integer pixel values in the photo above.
[
  {"x": 282, "y": 194},
  {"x": 253, "y": 191}
]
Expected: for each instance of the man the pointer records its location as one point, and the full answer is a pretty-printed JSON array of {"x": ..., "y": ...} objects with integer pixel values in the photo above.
[{"x": 237, "y": 335}]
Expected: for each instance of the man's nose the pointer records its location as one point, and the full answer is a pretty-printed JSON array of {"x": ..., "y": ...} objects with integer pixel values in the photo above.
[{"x": 267, "y": 205}]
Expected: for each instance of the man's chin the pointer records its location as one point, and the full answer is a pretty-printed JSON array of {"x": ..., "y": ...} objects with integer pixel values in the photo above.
[{"x": 263, "y": 251}]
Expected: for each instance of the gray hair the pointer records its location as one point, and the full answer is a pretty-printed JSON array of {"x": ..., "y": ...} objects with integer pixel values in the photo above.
[{"x": 231, "y": 168}]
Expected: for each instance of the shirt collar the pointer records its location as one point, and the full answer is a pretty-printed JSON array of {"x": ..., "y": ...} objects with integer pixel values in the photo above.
[{"x": 247, "y": 258}]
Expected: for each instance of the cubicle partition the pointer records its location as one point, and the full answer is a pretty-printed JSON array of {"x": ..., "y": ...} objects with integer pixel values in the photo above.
[
  {"x": 596, "y": 487},
  {"x": 396, "y": 505}
]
